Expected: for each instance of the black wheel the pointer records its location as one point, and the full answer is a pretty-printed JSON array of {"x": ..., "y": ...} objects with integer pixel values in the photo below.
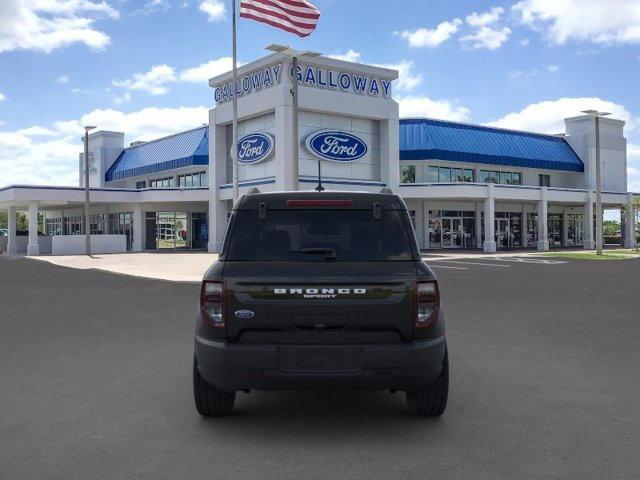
[
  {"x": 211, "y": 402},
  {"x": 432, "y": 401}
]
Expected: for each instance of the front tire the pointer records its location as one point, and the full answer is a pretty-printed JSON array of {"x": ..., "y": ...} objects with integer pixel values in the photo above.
[
  {"x": 211, "y": 402},
  {"x": 432, "y": 401}
]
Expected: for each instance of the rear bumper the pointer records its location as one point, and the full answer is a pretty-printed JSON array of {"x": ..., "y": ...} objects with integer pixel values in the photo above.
[{"x": 409, "y": 366}]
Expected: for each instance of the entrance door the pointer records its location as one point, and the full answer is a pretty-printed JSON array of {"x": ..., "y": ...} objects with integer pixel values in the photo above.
[
  {"x": 504, "y": 237},
  {"x": 451, "y": 232}
]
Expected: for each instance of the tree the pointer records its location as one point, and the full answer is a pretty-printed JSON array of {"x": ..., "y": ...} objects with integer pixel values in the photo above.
[
  {"x": 635, "y": 212},
  {"x": 3, "y": 220},
  {"x": 610, "y": 228}
]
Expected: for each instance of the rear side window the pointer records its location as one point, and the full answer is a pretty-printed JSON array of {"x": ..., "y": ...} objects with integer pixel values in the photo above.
[{"x": 318, "y": 235}]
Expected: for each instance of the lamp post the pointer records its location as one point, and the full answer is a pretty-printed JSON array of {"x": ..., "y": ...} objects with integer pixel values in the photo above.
[
  {"x": 87, "y": 217},
  {"x": 295, "y": 145},
  {"x": 596, "y": 114}
]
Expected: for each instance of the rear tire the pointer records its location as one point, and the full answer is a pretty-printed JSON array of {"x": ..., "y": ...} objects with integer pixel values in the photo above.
[
  {"x": 432, "y": 401},
  {"x": 211, "y": 402}
]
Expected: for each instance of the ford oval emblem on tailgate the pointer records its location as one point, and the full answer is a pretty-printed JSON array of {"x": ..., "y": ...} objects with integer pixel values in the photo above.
[{"x": 244, "y": 314}]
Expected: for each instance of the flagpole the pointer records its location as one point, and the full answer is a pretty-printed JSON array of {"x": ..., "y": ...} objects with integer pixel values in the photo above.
[
  {"x": 294, "y": 125},
  {"x": 234, "y": 146}
]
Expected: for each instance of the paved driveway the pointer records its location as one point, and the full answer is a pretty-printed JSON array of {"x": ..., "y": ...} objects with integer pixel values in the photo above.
[{"x": 95, "y": 384}]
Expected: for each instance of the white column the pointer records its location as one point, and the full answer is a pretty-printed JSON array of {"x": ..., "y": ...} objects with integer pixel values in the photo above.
[
  {"x": 478, "y": 226},
  {"x": 12, "y": 246},
  {"x": 390, "y": 150},
  {"x": 283, "y": 140},
  {"x": 543, "y": 240},
  {"x": 425, "y": 224},
  {"x": 138, "y": 219},
  {"x": 565, "y": 227},
  {"x": 218, "y": 176},
  {"x": 32, "y": 246},
  {"x": 629, "y": 224},
  {"x": 489, "y": 245},
  {"x": 589, "y": 242}
]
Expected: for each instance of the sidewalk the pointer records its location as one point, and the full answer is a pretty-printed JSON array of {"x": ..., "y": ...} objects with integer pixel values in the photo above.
[{"x": 174, "y": 267}]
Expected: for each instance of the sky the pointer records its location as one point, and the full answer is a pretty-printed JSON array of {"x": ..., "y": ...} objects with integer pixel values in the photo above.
[{"x": 141, "y": 66}]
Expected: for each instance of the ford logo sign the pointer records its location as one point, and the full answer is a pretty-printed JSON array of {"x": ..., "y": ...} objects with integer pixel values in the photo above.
[
  {"x": 244, "y": 314},
  {"x": 255, "y": 148},
  {"x": 336, "y": 146}
]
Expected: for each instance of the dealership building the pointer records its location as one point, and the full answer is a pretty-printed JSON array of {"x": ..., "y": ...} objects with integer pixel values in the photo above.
[{"x": 466, "y": 186}]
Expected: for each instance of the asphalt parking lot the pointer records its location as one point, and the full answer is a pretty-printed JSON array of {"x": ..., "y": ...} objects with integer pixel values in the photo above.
[{"x": 95, "y": 382}]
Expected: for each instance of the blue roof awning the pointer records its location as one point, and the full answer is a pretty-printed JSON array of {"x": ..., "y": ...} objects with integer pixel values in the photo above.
[
  {"x": 427, "y": 139},
  {"x": 183, "y": 149}
]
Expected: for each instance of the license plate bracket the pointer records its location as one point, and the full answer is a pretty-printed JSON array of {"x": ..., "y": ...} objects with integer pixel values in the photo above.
[{"x": 320, "y": 359}]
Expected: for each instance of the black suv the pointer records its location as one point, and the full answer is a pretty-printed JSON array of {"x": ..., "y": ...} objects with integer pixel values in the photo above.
[{"x": 318, "y": 290}]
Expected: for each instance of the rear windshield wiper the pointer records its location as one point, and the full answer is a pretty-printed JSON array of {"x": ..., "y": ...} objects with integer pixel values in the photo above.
[{"x": 330, "y": 253}]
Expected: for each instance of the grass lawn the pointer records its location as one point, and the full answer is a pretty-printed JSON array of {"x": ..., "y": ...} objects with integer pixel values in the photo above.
[{"x": 619, "y": 254}]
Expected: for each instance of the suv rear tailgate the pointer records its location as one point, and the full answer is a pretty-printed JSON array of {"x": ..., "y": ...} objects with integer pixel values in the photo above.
[{"x": 319, "y": 302}]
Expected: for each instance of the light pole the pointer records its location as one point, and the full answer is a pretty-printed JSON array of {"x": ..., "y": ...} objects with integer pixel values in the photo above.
[
  {"x": 295, "y": 145},
  {"x": 596, "y": 114},
  {"x": 87, "y": 217}
]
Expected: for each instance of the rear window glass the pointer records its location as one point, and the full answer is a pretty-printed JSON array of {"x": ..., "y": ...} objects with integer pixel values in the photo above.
[{"x": 318, "y": 235}]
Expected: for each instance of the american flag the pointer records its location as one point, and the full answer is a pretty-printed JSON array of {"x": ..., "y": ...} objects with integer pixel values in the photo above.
[{"x": 294, "y": 16}]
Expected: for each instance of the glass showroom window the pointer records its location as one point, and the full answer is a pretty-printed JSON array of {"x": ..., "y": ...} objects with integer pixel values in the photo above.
[
  {"x": 97, "y": 224},
  {"x": 122, "y": 224},
  {"x": 504, "y": 178},
  {"x": 53, "y": 226},
  {"x": 73, "y": 225},
  {"x": 199, "y": 179},
  {"x": 162, "y": 182},
  {"x": 142, "y": 184},
  {"x": 447, "y": 175},
  {"x": 408, "y": 174},
  {"x": 544, "y": 180}
]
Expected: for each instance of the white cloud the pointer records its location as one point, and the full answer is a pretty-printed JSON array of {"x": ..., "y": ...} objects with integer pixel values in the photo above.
[
  {"x": 487, "y": 37},
  {"x": 548, "y": 116},
  {"x": 203, "y": 72},
  {"x": 36, "y": 131},
  {"x": 154, "y": 81},
  {"x": 153, "y": 6},
  {"x": 214, "y": 9},
  {"x": 420, "y": 106},
  {"x": 2, "y": 96},
  {"x": 633, "y": 167},
  {"x": 48, "y": 155},
  {"x": 595, "y": 21},
  {"x": 124, "y": 98},
  {"x": 526, "y": 75},
  {"x": 424, "y": 37},
  {"x": 486, "y": 18},
  {"x": 407, "y": 78},
  {"x": 63, "y": 79},
  {"x": 45, "y": 25},
  {"x": 525, "y": 42},
  {"x": 349, "y": 56},
  {"x": 157, "y": 80}
]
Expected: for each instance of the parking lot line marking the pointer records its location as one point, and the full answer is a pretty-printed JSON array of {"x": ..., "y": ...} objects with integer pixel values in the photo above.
[
  {"x": 475, "y": 263},
  {"x": 446, "y": 266},
  {"x": 531, "y": 260}
]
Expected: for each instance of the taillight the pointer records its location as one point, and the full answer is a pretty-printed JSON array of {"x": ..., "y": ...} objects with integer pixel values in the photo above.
[
  {"x": 427, "y": 298},
  {"x": 319, "y": 203},
  {"x": 212, "y": 299}
]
